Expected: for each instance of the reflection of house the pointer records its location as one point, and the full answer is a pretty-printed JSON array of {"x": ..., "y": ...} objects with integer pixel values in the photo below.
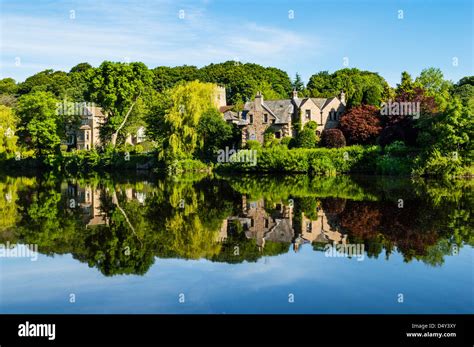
[
  {"x": 277, "y": 116},
  {"x": 137, "y": 137},
  {"x": 276, "y": 223},
  {"x": 88, "y": 200},
  {"x": 320, "y": 230},
  {"x": 259, "y": 224}
]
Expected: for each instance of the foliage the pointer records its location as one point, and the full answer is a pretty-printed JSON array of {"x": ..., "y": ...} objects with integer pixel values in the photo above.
[
  {"x": 116, "y": 87},
  {"x": 361, "y": 87},
  {"x": 39, "y": 126},
  {"x": 215, "y": 133},
  {"x": 306, "y": 138},
  {"x": 243, "y": 81},
  {"x": 8, "y": 86},
  {"x": 333, "y": 138},
  {"x": 8, "y": 139},
  {"x": 319, "y": 161},
  {"x": 55, "y": 82},
  {"x": 433, "y": 82},
  {"x": 361, "y": 124},
  {"x": 178, "y": 116}
]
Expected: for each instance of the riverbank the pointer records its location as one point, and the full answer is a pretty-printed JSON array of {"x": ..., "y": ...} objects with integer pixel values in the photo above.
[{"x": 393, "y": 160}]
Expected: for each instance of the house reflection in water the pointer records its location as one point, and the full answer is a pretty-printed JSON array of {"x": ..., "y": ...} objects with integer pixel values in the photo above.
[
  {"x": 276, "y": 222},
  {"x": 87, "y": 199}
]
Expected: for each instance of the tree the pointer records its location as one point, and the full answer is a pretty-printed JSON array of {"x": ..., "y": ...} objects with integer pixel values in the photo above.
[
  {"x": 333, "y": 138},
  {"x": 116, "y": 87},
  {"x": 214, "y": 132},
  {"x": 372, "y": 95},
  {"x": 176, "y": 118},
  {"x": 406, "y": 84},
  {"x": 359, "y": 86},
  {"x": 298, "y": 84},
  {"x": 361, "y": 124},
  {"x": 79, "y": 79},
  {"x": 307, "y": 137},
  {"x": 38, "y": 127},
  {"x": 242, "y": 81},
  {"x": 8, "y": 138},
  {"x": 56, "y": 82},
  {"x": 81, "y": 67},
  {"x": 433, "y": 82},
  {"x": 464, "y": 90},
  {"x": 8, "y": 86},
  {"x": 165, "y": 77}
]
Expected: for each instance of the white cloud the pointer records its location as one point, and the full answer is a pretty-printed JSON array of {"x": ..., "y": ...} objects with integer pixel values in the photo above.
[{"x": 149, "y": 33}]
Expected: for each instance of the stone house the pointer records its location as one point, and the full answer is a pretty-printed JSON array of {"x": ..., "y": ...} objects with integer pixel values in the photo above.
[
  {"x": 85, "y": 135},
  {"x": 279, "y": 116}
]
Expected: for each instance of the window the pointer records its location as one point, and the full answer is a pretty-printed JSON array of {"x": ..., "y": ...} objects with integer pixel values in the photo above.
[
  {"x": 277, "y": 135},
  {"x": 265, "y": 118},
  {"x": 308, "y": 227},
  {"x": 308, "y": 114},
  {"x": 87, "y": 136},
  {"x": 266, "y": 223},
  {"x": 251, "y": 119},
  {"x": 251, "y": 222}
]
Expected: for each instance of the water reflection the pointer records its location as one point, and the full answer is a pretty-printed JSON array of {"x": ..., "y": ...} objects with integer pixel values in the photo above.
[{"x": 120, "y": 225}]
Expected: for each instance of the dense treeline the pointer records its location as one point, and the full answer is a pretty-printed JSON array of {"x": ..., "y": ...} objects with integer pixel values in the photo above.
[{"x": 184, "y": 128}]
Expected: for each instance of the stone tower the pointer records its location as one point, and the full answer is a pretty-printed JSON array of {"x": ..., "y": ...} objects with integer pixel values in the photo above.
[{"x": 220, "y": 97}]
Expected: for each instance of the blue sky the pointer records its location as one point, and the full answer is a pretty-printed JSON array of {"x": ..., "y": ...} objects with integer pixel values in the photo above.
[{"x": 367, "y": 34}]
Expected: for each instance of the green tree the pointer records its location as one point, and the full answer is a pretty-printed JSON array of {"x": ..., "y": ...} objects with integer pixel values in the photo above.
[
  {"x": 432, "y": 80},
  {"x": 215, "y": 134},
  {"x": 359, "y": 86},
  {"x": 116, "y": 87},
  {"x": 406, "y": 84},
  {"x": 306, "y": 138},
  {"x": 298, "y": 83},
  {"x": 8, "y": 138},
  {"x": 464, "y": 90},
  {"x": 178, "y": 117},
  {"x": 56, "y": 82},
  {"x": 8, "y": 86},
  {"x": 38, "y": 126}
]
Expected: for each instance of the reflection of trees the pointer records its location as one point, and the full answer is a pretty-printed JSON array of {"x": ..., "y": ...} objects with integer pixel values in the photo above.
[{"x": 182, "y": 218}]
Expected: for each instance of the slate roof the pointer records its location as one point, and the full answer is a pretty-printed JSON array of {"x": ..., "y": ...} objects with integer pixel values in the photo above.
[{"x": 282, "y": 110}]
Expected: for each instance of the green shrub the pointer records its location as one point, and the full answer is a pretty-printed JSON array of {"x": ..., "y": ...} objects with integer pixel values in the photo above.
[
  {"x": 285, "y": 140},
  {"x": 311, "y": 125},
  {"x": 317, "y": 160},
  {"x": 306, "y": 138},
  {"x": 253, "y": 144}
]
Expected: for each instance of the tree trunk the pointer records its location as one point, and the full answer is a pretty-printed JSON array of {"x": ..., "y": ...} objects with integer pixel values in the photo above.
[{"x": 115, "y": 134}]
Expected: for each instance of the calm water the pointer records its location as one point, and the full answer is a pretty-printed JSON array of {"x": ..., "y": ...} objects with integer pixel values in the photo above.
[{"x": 238, "y": 244}]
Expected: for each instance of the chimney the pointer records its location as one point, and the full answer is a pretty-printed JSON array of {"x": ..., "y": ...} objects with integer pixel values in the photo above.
[
  {"x": 295, "y": 94},
  {"x": 342, "y": 97},
  {"x": 258, "y": 101}
]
